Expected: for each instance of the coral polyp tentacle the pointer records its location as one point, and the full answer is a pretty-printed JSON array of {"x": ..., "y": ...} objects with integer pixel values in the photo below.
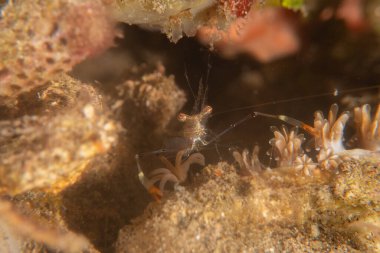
[
  {"x": 328, "y": 136},
  {"x": 176, "y": 173},
  {"x": 305, "y": 164},
  {"x": 249, "y": 163},
  {"x": 368, "y": 129},
  {"x": 287, "y": 146}
]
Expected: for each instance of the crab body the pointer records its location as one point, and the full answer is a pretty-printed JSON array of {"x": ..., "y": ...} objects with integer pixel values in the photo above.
[{"x": 194, "y": 128}]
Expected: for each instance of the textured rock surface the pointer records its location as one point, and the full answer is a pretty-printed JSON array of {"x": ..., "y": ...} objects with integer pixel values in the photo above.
[
  {"x": 52, "y": 37},
  {"x": 66, "y": 185},
  {"x": 50, "y": 151},
  {"x": 274, "y": 211}
]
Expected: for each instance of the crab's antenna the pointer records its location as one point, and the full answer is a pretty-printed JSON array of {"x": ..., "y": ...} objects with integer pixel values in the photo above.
[
  {"x": 151, "y": 188},
  {"x": 208, "y": 67},
  {"x": 157, "y": 152},
  {"x": 206, "y": 82},
  {"x": 204, "y": 98},
  {"x": 197, "y": 105},
  {"x": 283, "y": 101},
  {"x": 289, "y": 120},
  {"x": 188, "y": 82}
]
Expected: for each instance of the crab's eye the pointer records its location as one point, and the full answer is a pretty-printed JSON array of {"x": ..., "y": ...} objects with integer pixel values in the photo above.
[
  {"x": 207, "y": 109},
  {"x": 182, "y": 117}
]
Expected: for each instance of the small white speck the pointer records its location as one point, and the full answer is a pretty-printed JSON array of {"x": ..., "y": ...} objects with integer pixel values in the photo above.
[
  {"x": 336, "y": 92},
  {"x": 197, "y": 237},
  {"x": 89, "y": 111}
]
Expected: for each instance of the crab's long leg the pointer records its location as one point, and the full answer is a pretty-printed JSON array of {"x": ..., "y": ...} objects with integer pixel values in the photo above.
[
  {"x": 232, "y": 126},
  {"x": 148, "y": 184},
  {"x": 287, "y": 119},
  {"x": 311, "y": 130}
]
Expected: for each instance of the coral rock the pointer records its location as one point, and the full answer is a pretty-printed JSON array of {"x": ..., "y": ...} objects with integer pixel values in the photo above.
[
  {"x": 278, "y": 210},
  {"x": 51, "y": 37},
  {"x": 50, "y": 151}
]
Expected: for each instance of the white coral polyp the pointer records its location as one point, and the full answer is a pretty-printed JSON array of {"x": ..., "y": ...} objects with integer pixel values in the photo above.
[
  {"x": 368, "y": 129},
  {"x": 329, "y": 132},
  {"x": 328, "y": 159},
  {"x": 287, "y": 146},
  {"x": 248, "y": 162},
  {"x": 176, "y": 173},
  {"x": 305, "y": 164}
]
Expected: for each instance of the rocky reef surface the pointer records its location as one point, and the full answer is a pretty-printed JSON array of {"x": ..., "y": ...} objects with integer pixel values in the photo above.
[
  {"x": 81, "y": 95},
  {"x": 273, "y": 211}
]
